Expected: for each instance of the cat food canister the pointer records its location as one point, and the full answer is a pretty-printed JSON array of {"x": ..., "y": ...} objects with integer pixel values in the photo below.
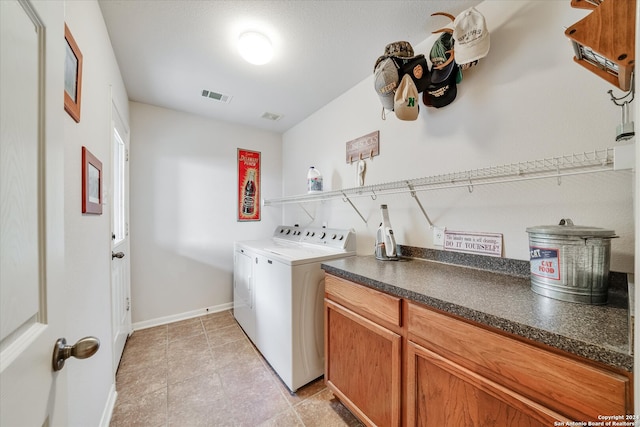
[{"x": 570, "y": 262}]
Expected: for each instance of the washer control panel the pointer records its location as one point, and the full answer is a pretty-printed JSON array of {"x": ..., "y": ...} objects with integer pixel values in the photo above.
[{"x": 328, "y": 237}]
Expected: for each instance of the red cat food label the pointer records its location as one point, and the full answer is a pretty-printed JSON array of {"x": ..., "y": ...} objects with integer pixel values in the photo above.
[{"x": 545, "y": 262}]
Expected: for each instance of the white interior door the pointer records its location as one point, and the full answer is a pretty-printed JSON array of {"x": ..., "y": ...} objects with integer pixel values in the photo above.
[
  {"x": 32, "y": 313},
  {"x": 120, "y": 264}
]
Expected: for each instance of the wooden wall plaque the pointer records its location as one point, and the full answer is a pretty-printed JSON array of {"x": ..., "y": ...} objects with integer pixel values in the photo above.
[{"x": 364, "y": 147}]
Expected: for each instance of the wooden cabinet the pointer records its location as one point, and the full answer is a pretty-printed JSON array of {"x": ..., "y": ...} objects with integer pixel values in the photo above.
[
  {"x": 363, "y": 357},
  {"x": 395, "y": 362},
  {"x": 536, "y": 381},
  {"x": 443, "y": 393}
]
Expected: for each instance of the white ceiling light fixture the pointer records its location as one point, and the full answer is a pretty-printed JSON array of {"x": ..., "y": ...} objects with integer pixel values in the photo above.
[{"x": 255, "y": 48}]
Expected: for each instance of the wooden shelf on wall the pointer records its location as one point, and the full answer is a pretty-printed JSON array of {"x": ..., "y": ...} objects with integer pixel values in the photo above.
[
  {"x": 604, "y": 41},
  {"x": 586, "y": 4}
]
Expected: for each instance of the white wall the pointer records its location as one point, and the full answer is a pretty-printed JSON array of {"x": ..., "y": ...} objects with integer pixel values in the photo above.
[
  {"x": 526, "y": 100},
  {"x": 88, "y": 237},
  {"x": 183, "y": 210}
]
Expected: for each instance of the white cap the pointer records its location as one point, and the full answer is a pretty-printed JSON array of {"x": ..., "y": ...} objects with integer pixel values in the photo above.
[
  {"x": 471, "y": 36},
  {"x": 406, "y": 99}
]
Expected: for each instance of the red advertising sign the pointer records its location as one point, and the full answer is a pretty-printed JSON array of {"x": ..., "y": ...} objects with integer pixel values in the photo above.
[{"x": 248, "y": 185}]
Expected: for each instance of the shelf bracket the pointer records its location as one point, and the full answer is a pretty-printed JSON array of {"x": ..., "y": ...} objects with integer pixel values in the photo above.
[
  {"x": 306, "y": 211},
  {"x": 415, "y": 197},
  {"x": 346, "y": 199}
]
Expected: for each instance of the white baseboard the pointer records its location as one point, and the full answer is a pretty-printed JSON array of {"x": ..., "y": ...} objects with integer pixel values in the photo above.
[
  {"x": 181, "y": 316},
  {"x": 105, "y": 420}
]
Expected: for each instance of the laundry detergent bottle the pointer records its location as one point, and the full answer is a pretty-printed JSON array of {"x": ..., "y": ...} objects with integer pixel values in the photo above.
[{"x": 314, "y": 180}]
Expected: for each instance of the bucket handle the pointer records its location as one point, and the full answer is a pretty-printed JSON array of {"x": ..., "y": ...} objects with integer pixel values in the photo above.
[{"x": 566, "y": 222}]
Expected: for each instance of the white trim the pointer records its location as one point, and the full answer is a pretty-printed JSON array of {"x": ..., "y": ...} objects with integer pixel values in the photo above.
[
  {"x": 181, "y": 316},
  {"x": 105, "y": 420},
  {"x": 24, "y": 339},
  {"x": 636, "y": 219},
  {"x": 636, "y": 216}
]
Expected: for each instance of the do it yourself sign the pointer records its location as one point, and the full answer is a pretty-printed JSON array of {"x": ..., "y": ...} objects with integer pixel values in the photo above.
[{"x": 489, "y": 244}]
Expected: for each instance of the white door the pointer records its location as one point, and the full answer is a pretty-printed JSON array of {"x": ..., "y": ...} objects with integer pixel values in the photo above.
[
  {"x": 32, "y": 249},
  {"x": 120, "y": 261}
]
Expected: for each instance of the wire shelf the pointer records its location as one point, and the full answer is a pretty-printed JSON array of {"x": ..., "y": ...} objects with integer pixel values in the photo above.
[{"x": 553, "y": 167}]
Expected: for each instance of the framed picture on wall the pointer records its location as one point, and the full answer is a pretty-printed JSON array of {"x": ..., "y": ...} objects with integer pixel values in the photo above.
[
  {"x": 91, "y": 183},
  {"x": 72, "y": 76},
  {"x": 248, "y": 185}
]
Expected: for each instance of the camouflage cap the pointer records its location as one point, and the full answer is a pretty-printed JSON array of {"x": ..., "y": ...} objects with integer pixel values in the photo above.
[{"x": 401, "y": 48}]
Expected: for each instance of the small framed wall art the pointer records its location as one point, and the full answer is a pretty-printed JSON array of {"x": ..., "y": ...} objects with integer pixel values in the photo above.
[
  {"x": 72, "y": 76},
  {"x": 91, "y": 183},
  {"x": 248, "y": 185}
]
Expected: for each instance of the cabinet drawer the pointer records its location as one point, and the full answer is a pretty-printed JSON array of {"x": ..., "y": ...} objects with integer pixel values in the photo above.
[
  {"x": 578, "y": 390},
  {"x": 368, "y": 302}
]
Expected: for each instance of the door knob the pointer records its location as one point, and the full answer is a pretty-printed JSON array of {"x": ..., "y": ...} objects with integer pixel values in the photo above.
[
  {"x": 117, "y": 255},
  {"x": 85, "y": 347}
]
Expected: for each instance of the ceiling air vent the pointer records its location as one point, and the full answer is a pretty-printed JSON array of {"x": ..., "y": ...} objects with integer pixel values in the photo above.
[
  {"x": 271, "y": 116},
  {"x": 216, "y": 96}
]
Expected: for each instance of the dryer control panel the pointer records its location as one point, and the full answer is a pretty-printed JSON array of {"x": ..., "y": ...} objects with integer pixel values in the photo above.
[{"x": 334, "y": 238}]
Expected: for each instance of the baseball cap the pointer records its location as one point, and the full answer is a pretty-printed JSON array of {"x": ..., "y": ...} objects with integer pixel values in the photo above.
[
  {"x": 386, "y": 81},
  {"x": 416, "y": 67},
  {"x": 443, "y": 93},
  {"x": 406, "y": 103},
  {"x": 401, "y": 48},
  {"x": 471, "y": 36},
  {"x": 440, "y": 53}
]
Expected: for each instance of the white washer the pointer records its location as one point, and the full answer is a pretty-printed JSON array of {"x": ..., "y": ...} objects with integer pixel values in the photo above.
[{"x": 279, "y": 294}]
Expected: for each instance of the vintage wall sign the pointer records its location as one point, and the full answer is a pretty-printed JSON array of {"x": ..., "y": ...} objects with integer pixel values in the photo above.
[
  {"x": 248, "y": 185},
  {"x": 473, "y": 242},
  {"x": 364, "y": 147}
]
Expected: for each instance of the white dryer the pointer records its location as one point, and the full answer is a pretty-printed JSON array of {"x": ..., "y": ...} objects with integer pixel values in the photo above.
[{"x": 279, "y": 294}]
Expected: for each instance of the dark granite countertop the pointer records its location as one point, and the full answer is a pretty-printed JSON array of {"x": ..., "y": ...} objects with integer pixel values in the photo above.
[{"x": 502, "y": 301}]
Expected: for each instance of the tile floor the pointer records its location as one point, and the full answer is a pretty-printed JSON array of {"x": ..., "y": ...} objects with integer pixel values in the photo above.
[{"x": 205, "y": 372}]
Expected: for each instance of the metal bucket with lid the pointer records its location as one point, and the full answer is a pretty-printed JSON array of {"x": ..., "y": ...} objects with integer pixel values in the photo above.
[{"x": 570, "y": 262}]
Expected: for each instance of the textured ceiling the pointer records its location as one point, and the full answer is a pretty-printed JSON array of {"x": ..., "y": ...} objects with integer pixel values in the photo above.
[{"x": 170, "y": 50}]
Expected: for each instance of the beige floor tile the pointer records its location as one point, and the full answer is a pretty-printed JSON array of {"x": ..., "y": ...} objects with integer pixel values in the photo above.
[
  {"x": 289, "y": 418},
  {"x": 152, "y": 357},
  {"x": 198, "y": 401},
  {"x": 148, "y": 334},
  {"x": 324, "y": 410},
  {"x": 133, "y": 383},
  {"x": 303, "y": 392},
  {"x": 187, "y": 347},
  {"x": 185, "y": 329},
  {"x": 206, "y": 372},
  {"x": 218, "y": 320},
  {"x": 149, "y": 410},
  {"x": 191, "y": 365},
  {"x": 256, "y": 407},
  {"x": 236, "y": 353},
  {"x": 224, "y": 335},
  {"x": 147, "y": 346}
]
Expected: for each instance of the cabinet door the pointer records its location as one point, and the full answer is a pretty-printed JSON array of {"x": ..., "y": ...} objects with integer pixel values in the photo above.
[
  {"x": 443, "y": 393},
  {"x": 363, "y": 365}
]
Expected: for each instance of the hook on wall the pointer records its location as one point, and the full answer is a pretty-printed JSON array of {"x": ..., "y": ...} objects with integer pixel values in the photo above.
[
  {"x": 630, "y": 93},
  {"x": 625, "y": 130}
]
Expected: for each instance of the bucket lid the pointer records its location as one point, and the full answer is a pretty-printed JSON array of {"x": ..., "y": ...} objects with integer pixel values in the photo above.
[{"x": 567, "y": 228}]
